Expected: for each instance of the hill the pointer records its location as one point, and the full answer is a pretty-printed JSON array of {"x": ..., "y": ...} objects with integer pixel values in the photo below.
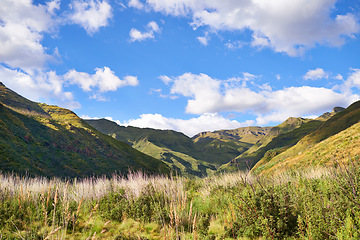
[
  {"x": 335, "y": 140},
  {"x": 222, "y": 146},
  {"x": 173, "y": 148},
  {"x": 200, "y": 155},
  {"x": 278, "y": 139},
  {"x": 44, "y": 140}
]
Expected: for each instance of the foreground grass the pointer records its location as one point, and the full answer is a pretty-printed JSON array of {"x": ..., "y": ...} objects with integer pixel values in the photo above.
[{"x": 318, "y": 204}]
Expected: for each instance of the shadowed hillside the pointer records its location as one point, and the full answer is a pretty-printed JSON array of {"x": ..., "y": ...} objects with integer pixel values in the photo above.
[
  {"x": 39, "y": 139},
  {"x": 335, "y": 140}
]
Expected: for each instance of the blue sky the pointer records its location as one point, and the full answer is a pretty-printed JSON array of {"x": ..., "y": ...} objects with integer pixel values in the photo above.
[{"x": 186, "y": 65}]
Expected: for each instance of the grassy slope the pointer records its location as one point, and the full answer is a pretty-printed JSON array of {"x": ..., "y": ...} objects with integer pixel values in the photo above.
[
  {"x": 220, "y": 147},
  {"x": 173, "y": 148},
  {"x": 180, "y": 162},
  {"x": 51, "y": 141},
  {"x": 194, "y": 156},
  {"x": 342, "y": 147},
  {"x": 284, "y": 135},
  {"x": 322, "y": 145}
]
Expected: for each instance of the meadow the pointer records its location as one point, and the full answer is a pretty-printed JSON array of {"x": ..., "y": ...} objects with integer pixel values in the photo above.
[{"x": 314, "y": 204}]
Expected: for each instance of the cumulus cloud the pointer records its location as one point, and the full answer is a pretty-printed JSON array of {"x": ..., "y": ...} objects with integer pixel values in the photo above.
[
  {"x": 52, "y": 6},
  {"x": 208, "y": 95},
  {"x": 103, "y": 80},
  {"x": 285, "y": 26},
  {"x": 22, "y": 26},
  {"x": 40, "y": 86},
  {"x": 190, "y": 127},
  {"x": 353, "y": 81},
  {"x": 315, "y": 74},
  {"x": 152, "y": 27},
  {"x": 91, "y": 15}
]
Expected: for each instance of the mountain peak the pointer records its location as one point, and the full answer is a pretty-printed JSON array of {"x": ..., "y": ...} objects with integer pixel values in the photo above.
[
  {"x": 328, "y": 115},
  {"x": 337, "y": 109},
  {"x": 18, "y": 103}
]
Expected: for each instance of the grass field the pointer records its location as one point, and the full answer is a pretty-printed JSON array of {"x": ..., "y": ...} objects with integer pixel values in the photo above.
[{"x": 317, "y": 204}]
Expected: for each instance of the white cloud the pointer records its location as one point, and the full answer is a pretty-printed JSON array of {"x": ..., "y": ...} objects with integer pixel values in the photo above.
[
  {"x": 165, "y": 79},
  {"x": 153, "y": 26},
  {"x": 301, "y": 101},
  {"x": 22, "y": 26},
  {"x": 52, "y": 6},
  {"x": 190, "y": 127},
  {"x": 208, "y": 95},
  {"x": 203, "y": 91},
  {"x": 40, "y": 86},
  {"x": 135, "y": 4},
  {"x": 90, "y": 14},
  {"x": 339, "y": 77},
  {"x": 136, "y": 35},
  {"x": 234, "y": 45},
  {"x": 285, "y": 26},
  {"x": 204, "y": 40},
  {"x": 104, "y": 80},
  {"x": 315, "y": 74},
  {"x": 352, "y": 81}
]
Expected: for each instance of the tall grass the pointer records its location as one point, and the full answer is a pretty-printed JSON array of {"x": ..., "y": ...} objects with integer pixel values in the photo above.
[{"x": 316, "y": 204}]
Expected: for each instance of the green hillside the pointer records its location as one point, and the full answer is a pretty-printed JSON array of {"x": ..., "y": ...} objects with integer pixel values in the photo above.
[
  {"x": 198, "y": 156},
  {"x": 224, "y": 150},
  {"x": 334, "y": 140},
  {"x": 222, "y": 146},
  {"x": 173, "y": 148},
  {"x": 278, "y": 138},
  {"x": 39, "y": 139}
]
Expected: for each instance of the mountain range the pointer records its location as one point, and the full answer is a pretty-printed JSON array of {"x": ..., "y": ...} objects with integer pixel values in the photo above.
[{"x": 40, "y": 139}]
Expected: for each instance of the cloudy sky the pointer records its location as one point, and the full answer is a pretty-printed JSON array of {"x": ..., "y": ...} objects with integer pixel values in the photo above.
[{"x": 187, "y": 65}]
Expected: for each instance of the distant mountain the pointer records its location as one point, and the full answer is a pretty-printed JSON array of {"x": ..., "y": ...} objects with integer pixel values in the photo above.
[
  {"x": 335, "y": 140},
  {"x": 197, "y": 156},
  {"x": 202, "y": 154},
  {"x": 39, "y": 139},
  {"x": 173, "y": 148},
  {"x": 230, "y": 142},
  {"x": 279, "y": 138}
]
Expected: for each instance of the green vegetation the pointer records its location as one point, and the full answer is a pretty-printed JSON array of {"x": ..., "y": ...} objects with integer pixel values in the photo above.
[
  {"x": 337, "y": 138},
  {"x": 280, "y": 137},
  {"x": 317, "y": 204},
  {"x": 43, "y": 140},
  {"x": 173, "y": 148},
  {"x": 197, "y": 156}
]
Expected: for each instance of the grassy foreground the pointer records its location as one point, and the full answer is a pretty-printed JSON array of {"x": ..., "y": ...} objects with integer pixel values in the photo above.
[{"x": 318, "y": 204}]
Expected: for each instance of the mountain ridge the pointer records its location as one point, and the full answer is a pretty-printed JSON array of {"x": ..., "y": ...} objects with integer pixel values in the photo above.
[
  {"x": 337, "y": 125},
  {"x": 40, "y": 139}
]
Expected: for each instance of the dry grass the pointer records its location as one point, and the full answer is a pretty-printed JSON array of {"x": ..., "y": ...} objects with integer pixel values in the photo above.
[{"x": 225, "y": 180}]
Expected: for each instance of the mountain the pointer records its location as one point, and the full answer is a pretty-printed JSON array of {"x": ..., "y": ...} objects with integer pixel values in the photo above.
[
  {"x": 223, "y": 150},
  {"x": 206, "y": 151},
  {"x": 278, "y": 139},
  {"x": 335, "y": 140},
  {"x": 173, "y": 148},
  {"x": 199, "y": 156},
  {"x": 222, "y": 146},
  {"x": 40, "y": 139}
]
